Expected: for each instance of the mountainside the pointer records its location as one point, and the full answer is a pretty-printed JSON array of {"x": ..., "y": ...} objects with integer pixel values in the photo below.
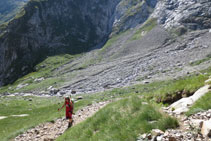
[
  {"x": 54, "y": 27},
  {"x": 9, "y": 8},
  {"x": 147, "y": 40},
  {"x": 134, "y": 70}
]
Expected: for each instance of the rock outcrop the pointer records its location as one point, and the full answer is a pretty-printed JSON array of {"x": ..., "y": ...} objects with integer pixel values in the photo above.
[
  {"x": 191, "y": 14},
  {"x": 182, "y": 105}
]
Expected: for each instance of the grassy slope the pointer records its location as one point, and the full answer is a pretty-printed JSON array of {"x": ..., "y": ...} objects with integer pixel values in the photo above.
[
  {"x": 46, "y": 107},
  {"x": 39, "y": 109},
  {"x": 146, "y": 27},
  {"x": 118, "y": 121},
  {"x": 46, "y": 69},
  {"x": 122, "y": 120},
  {"x": 202, "y": 104}
]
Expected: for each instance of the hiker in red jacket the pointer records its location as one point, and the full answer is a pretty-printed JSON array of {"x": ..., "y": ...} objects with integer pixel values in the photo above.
[{"x": 69, "y": 110}]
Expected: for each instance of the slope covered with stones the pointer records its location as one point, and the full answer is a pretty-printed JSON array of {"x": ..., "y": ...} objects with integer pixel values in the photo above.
[{"x": 53, "y": 27}]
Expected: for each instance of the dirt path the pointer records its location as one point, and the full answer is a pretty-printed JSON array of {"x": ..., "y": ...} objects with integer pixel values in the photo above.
[{"x": 51, "y": 130}]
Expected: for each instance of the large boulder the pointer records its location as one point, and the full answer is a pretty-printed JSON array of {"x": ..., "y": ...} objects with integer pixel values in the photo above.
[
  {"x": 206, "y": 129},
  {"x": 183, "y": 104}
]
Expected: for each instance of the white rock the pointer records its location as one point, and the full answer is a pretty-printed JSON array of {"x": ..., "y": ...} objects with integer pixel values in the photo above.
[
  {"x": 39, "y": 79},
  {"x": 181, "y": 110},
  {"x": 201, "y": 92},
  {"x": 50, "y": 87},
  {"x": 157, "y": 132},
  {"x": 21, "y": 86},
  {"x": 144, "y": 136},
  {"x": 27, "y": 94},
  {"x": 182, "y": 105},
  {"x": 210, "y": 31},
  {"x": 208, "y": 81},
  {"x": 159, "y": 138},
  {"x": 2, "y": 117},
  {"x": 11, "y": 95},
  {"x": 197, "y": 123},
  {"x": 22, "y": 115},
  {"x": 206, "y": 129}
]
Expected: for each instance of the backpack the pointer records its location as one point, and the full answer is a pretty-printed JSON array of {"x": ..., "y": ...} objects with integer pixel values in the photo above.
[{"x": 72, "y": 104}]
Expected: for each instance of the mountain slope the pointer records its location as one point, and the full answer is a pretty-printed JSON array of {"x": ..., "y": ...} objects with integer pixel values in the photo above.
[
  {"x": 140, "y": 47},
  {"x": 47, "y": 28},
  {"x": 9, "y": 9}
]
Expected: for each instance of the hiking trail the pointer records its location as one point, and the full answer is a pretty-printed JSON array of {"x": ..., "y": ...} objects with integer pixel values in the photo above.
[{"x": 51, "y": 130}]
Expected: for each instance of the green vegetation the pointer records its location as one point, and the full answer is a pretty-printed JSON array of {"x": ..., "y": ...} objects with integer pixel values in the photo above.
[
  {"x": 146, "y": 27},
  {"x": 129, "y": 116},
  {"x": 198, "y": 62},
  {"x": 112, "y": 40},
  {"x": 47, "y": 70},
  {"x": 202, "y": 104},
  {"x": 121, "y": 120},
  {"x": 174, "y": 90},
  {"x": 161, "y": 91},
  {"x": 40, "y": 110}
]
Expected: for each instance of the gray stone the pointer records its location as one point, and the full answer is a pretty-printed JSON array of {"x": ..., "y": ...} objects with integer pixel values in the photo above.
[
  {"x": 206, "y": 129},
  {"x": 156, "y": 132}
]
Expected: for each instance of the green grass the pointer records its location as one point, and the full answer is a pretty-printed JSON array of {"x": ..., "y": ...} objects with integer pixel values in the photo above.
[
  {"x": 173, "y": 89},
  {"x": 122, "y": 110},
  {"x": 126, "y": 112},
  {"x": 198, "y": 62},
  {"x": 111, "y": 41},
  {"x": 46, "y": 69},
  {"x": 120, "y": 121},
  {"x": 147, "y": 26},
  {"x": 202, "y": 104},
  {"x": 39, "y": 109},
  {"x": 160, "y": 91}
]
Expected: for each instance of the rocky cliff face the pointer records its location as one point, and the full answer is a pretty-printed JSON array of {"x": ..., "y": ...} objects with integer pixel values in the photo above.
[
  {"x": 63, "y": 26},
  {"x": 52, "y": 27},
  {"x": 191, "y": 14}
]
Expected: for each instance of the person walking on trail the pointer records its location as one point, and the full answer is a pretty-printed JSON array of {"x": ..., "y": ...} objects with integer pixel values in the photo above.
[{"x": 69, "y": 110}]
